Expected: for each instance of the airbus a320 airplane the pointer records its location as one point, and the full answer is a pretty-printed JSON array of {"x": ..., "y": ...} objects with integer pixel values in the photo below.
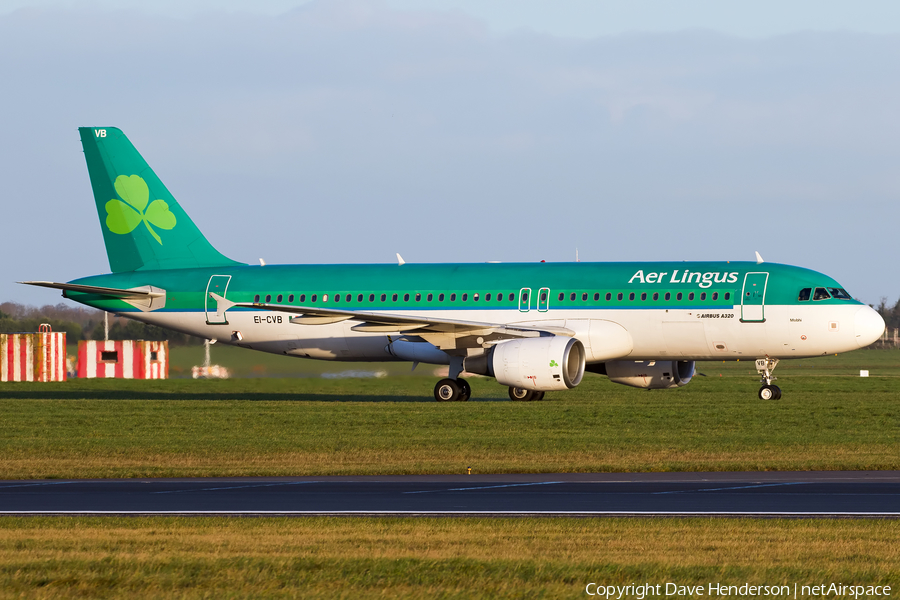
[{"x": 533, "y": 327}]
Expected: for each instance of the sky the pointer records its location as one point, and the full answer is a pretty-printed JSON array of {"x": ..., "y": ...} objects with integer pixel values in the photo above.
[{"x": 456, "y": 131}]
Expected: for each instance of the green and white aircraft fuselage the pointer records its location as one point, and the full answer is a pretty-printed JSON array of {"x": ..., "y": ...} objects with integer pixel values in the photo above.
[{"x": 534, "y": 327}]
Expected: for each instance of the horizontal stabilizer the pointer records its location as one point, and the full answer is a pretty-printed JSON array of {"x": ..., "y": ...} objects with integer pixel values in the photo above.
[{"x": 145, "y": 297}]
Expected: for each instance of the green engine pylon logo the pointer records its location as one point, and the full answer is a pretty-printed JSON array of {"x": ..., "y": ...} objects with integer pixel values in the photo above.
[
  {"x": 123, "y": 216},
  {"x": 553, "y": 363}
]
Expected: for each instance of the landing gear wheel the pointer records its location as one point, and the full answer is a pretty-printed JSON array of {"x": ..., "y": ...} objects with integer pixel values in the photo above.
[
  {"x": 446, "y": 390},
  {"x": 770, "y": 392},
  {"x": 520, "y": 394},
  {"x": 465, "y": 391},
  {"x": 538, "y": 396}
]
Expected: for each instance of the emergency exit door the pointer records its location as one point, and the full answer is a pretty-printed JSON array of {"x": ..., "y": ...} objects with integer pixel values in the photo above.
[
  {"x": 218, "y": 285},
  {"x": 753, "y": 298}
]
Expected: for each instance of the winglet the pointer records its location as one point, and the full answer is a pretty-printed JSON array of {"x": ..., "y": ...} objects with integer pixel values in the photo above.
[
  {"x": 400, "y": 260},
  {"x": 759, "y": 259}
]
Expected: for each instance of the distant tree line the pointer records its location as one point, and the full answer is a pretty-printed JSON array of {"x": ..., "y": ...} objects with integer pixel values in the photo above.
[
  {"x": 890, "y": 314},
  {"x": 85, "y": 324}
]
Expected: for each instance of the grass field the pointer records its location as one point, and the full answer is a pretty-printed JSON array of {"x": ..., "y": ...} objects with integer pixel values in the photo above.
[
  {"x": 430, "y": 558},
  {"x": 830, "y": 418}
]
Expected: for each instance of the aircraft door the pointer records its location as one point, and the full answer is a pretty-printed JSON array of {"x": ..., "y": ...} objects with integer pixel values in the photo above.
[
  {"x": 543, "y": 302},
  {"x": 753, "y": 298},
  {"x": 218, "y": 284},
  {"x": 524, "y": 299}
]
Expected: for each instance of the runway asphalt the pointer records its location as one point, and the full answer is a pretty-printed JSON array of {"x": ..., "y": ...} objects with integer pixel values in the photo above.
[{"x": 770, "y": 494}]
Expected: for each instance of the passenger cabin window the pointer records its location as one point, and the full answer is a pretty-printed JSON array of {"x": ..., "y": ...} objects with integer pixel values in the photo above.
[
  {"x": 715, "y": 296},
  {"x": 302, "y": 298},
  {"x": 465, "y": 297},
  {"x": 278, "y": 298},
  {"x": 394, "y": 298},
  {"x": 691, "y": 296},
  {"x": 430, "y": 297},
  {"x": 383, "y": 297},
  {"x": 608, "y": 296},
  {"x": 703, "y": 295},
  {"x": 655, "y": 296},
  {"x": 290, "y": 299},
  {"x": 727, "y": 295},
  {"x": 839, "y": 293},
  {"x": 643, "y": 296},
  {"x": 406, "y": 297},
  {"x": 359, "y": 298},
  {"x": 668, "y": 296},
  {"x": 268, "y": 298},
  {"x": 804, "y": 294},
  {"x": 499, "y": 297},
  {"x": 418, "y": 297},
  {"x": 596, "y": 296},
  {"x": 337, "y": 297},
  {"x": 349, "y": 297},
  {"x": 512, "y": 296},
  {"x": 678, "y": 296},
  {"x": 583, "y": 296},
  {"x": 572, "y": 296},
  {"x": 487, "y": 297},
  {"x": 561, "y": 296},
  {"x": 543, "y": 296},
  {"x": 631, "y": 296},
  {"x": 821, "y": 294},
  {"x": 619, "y": 296},
  {"x": 371, "y": 297},
  {"x": 452, "y": 297},
  {"x": 440, "y": 297},
  {"x": 256, "y": 298},
  {"x": 314, "y": 297},
  {"x": 475, "y": 297}
]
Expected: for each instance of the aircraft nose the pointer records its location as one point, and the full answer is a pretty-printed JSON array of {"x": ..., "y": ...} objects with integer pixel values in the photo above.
[{"x": 868, "y": 325}]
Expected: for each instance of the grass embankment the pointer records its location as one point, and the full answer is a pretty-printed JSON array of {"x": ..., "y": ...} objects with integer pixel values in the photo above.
[
  {"x": 828, "y": 419},
  {"x": 424, "y": 558}
]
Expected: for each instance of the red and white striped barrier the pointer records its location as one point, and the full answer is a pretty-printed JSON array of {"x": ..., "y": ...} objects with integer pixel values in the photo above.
[
  {"x": 123, "y": 359},
  {"x": 33, "y": 356}
]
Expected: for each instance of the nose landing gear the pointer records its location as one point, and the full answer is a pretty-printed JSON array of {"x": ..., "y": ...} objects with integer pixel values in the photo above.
[{"x": 765, "y": 366}]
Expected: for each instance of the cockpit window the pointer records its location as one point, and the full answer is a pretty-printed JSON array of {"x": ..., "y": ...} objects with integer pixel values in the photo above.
[
  {"x": 839, "y": 293},
  {"x": 804, "y": 294},
  {"x": 821, "y": 294}
]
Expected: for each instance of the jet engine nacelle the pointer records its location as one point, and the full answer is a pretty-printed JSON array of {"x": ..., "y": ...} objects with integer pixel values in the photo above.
[
  {"x": 544, "y": 364},
  {"x": 651, "y": 374}
]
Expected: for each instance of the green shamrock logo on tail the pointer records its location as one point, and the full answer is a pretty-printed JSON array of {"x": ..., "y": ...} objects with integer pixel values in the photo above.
[{"x": 122, "y": 216}]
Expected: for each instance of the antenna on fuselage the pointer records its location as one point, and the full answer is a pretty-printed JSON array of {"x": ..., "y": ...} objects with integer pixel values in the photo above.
[
  {"x": 576, "y": 255},
  {"x": 400, "y": 260},
  {"x": 759, "y": 259}
]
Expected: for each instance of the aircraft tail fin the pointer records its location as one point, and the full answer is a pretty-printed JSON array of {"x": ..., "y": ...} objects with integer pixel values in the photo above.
[{"x": 143, "y": 226}]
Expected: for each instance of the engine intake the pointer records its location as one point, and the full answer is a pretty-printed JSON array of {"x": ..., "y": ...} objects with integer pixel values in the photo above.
[
  {"x": 544, "y": 364},
  {"x": 651, "y": 374}
]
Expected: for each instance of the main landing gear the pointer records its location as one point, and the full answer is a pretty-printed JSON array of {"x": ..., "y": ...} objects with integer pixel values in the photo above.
[
  {"x": 765, "y": 366},
  {"x": 452, "y": 390},
  {"x": 522, "y": 395}
]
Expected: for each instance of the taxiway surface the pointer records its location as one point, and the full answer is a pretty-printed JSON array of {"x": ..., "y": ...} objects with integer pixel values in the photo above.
[{"x": 869, "y": 493}]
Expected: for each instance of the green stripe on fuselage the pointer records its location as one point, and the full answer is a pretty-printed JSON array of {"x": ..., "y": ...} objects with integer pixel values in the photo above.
[{"x": 186, "y": 288}]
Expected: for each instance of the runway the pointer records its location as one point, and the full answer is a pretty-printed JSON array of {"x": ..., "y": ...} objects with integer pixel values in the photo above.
[{"x": 760, "y": 494}]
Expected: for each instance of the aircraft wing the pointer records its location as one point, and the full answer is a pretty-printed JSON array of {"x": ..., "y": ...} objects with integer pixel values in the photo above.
[{"x": 447, "y": 334}]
